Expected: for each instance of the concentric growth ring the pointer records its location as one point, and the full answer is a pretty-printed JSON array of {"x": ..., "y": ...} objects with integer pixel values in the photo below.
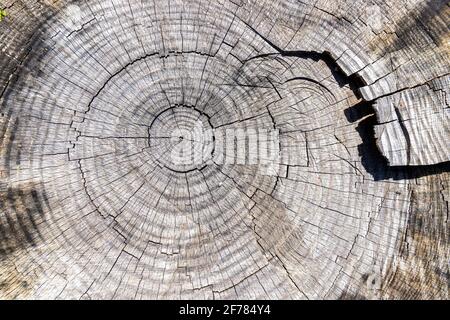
[{"x": 181, "y": 139}]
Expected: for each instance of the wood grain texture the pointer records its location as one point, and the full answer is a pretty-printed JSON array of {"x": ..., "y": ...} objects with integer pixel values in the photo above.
[{"x": 354, "y": 93}]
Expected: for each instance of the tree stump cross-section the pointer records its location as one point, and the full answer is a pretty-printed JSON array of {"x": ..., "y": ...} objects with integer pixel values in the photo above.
[{"x": 245, "y": 149}]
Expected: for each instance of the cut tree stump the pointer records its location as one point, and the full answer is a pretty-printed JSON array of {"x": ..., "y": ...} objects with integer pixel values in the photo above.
[{"x": 319, "y": 133}]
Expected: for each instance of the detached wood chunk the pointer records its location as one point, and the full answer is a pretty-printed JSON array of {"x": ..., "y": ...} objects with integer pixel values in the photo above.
[{"x": 414, "y": 125}]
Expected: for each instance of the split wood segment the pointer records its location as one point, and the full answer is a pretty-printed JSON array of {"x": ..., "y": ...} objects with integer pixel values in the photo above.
[{"x": 357, "y": 208}]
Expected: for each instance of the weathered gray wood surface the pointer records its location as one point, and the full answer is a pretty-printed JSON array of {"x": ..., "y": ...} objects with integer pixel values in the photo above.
[{"x": 357, "y": 208}]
